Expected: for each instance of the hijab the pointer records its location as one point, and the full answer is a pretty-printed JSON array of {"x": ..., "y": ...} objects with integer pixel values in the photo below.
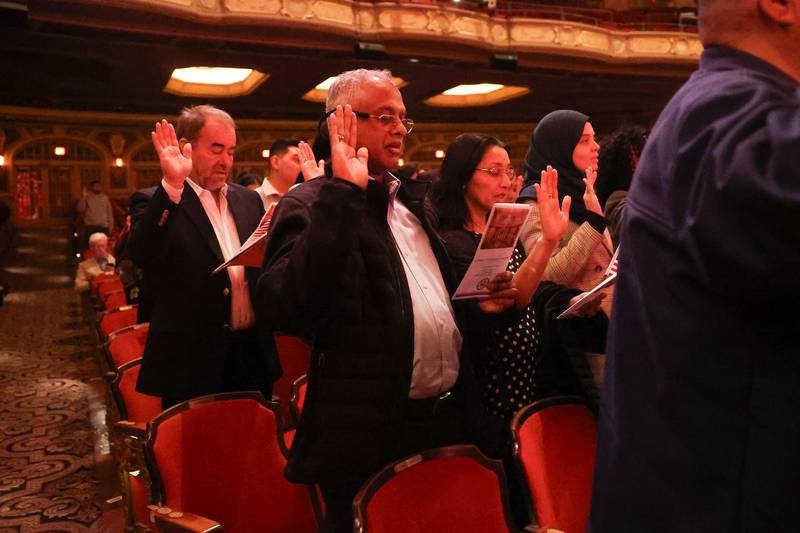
[{"x": 552, "y": 143}]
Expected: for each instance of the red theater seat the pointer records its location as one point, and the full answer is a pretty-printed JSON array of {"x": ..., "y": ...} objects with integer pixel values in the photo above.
[
  {"x": 102, "y": 279},
  {"x": 126, "y": 344},
  {"x": 220, "y": 457},
  {"x": 135, "y": 410},
  {"x": 114, "y": 299},
  {"x": 116, "y": 319},
  {"x": 295, "y": 357},
  {"x": 296, "y": 406},
  {"x": 554, "y": 443},
  {"x": 452, "y": 489},
  {"x": 134, "y": 407},
  {"x": 111, "y": 285},
  {"x": 298, "y": 397}
]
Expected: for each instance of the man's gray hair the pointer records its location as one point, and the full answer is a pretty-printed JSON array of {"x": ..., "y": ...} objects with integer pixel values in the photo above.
[
  {"x": 97, "y": 237},
  {"x": 192, "y": 119},
  {"x": 348, "y": 83}
]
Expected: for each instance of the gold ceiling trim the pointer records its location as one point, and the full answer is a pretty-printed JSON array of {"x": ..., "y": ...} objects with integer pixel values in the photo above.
[{"x": 389, "y": 22}]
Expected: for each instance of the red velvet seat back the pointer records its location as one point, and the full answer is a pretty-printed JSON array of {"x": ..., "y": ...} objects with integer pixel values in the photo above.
[
  {"x": 556, "y": 448},
  {"x": 447, "y": 494},
  {"x": 96, "y": 281},
  {"x": 127, "y": 345},
  {"x": 300, "y": 400},
  {"x": 295, "y": 357},
  {"x": 221, "y": 459},
  {"x": 112, "y": 285},
  {"x": 115, "y": 299},
  {"x": 139, "y": 407},
  {"x": 118, "y": 319}
]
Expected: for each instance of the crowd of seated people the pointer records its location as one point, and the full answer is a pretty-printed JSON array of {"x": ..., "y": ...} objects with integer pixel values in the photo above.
[{"x": 360, "y": 265}]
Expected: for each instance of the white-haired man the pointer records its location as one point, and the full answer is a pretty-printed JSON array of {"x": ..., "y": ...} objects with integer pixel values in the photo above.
[
  {"x": 353, "y": 265},
  {"x": 100, "y": 262}
]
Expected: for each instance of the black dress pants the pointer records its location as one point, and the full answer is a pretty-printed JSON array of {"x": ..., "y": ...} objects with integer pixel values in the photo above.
[
  {"x": 428, "y": 423},
  {"x": 245, "y": 368}
]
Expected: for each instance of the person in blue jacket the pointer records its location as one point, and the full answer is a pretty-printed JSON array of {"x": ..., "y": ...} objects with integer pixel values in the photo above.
[{"x": 699, "y": 428}]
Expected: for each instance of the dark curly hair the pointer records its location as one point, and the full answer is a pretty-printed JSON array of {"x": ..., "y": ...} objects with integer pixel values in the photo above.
[{"x": 618, "y": 153}]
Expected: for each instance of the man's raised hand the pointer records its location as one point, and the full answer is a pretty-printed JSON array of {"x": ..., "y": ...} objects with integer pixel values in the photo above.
[
  {"x": 347, "y": 163},
  {"x": 176, "y": 164},
  {"x": 308, "y": 165}
]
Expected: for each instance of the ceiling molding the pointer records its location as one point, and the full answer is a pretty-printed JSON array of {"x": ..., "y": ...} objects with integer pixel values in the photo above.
[{"x": 405, "y": 28}]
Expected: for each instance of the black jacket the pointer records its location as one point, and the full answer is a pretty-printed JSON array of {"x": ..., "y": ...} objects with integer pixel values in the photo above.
[
  {"x": 333, "y": 274},
  {"x": 176, "y": 246}
]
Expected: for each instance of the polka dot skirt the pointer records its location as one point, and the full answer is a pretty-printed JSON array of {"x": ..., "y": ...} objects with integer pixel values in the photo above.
[{"x": 510, "y": 383}]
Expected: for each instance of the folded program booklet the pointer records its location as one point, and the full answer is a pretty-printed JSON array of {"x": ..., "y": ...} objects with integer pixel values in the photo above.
[
  {"x": 495, "y": 249},
  {"x": 252, "y": 251}
]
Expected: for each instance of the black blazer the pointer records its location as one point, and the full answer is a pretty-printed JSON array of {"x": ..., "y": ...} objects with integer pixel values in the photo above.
[
  {"x": 137, "y": 207},
  {"x": 176, "y": 246}
]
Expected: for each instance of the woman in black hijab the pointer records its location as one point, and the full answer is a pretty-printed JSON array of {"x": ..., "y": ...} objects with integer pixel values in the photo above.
[{"x": 565, "y": 140}]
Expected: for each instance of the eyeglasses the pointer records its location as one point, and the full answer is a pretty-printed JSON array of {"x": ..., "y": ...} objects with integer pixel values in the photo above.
[
  {"x": 387, "y": 121},
  {"x": 497, "y": 171}
]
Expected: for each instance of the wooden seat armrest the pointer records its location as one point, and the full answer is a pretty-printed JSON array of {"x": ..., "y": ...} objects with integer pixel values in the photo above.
[
  {"x": 170, "y": 521},
  {"x": 126, "y": 428}
]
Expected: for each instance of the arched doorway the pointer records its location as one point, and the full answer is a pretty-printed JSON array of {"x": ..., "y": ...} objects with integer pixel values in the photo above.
[{"x": 49, "y": 177}]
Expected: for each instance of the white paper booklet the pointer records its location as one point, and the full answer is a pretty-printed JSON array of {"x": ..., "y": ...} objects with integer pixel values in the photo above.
[
  {"x": 495, "y": 249},
  {"x": 252, "y": 251}
]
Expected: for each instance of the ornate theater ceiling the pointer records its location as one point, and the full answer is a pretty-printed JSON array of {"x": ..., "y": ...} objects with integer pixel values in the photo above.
[{"x": 118, "y": 55}]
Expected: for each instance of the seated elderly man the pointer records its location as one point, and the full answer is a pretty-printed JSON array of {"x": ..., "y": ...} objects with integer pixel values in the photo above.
[{"x": 101, "y": 261}]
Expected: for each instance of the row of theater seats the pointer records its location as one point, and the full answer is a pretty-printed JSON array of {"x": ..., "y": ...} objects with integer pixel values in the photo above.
[{"x": 216, "y": 463}]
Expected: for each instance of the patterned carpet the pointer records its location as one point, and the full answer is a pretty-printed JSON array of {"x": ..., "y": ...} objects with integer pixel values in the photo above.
[{"x": 56, "y": 469}]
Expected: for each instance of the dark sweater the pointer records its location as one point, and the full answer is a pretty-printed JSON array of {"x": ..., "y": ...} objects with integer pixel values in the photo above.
[{"x": 332, "y": 274}]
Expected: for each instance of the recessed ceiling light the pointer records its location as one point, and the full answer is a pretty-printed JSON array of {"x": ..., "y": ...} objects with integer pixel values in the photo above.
[
  {"x": 479, "y": 94},
  {"x": 320, "y": 92},
  {"x": 477, "y": 88},
  {"x": 219, "y": 82},
  {"x": 211, "y": 75},
  {"x": 325, "y": 85}
]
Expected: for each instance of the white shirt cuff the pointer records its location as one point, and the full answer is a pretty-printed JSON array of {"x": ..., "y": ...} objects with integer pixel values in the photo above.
[{"x": 174, "y": 193}]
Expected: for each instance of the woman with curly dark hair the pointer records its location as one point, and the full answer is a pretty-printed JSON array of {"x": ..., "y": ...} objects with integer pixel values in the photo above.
[{"x": 619, "y": 156}]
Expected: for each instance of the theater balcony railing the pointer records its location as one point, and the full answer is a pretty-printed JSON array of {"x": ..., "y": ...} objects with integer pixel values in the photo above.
[{"x": 409, "y": 27}]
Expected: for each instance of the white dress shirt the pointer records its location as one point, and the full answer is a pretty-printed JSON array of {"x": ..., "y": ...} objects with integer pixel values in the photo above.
[
  {"x": 437, "y": 341},
  {"x": 242, "y": 316},
  {"x": 269, "y": 194}
]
